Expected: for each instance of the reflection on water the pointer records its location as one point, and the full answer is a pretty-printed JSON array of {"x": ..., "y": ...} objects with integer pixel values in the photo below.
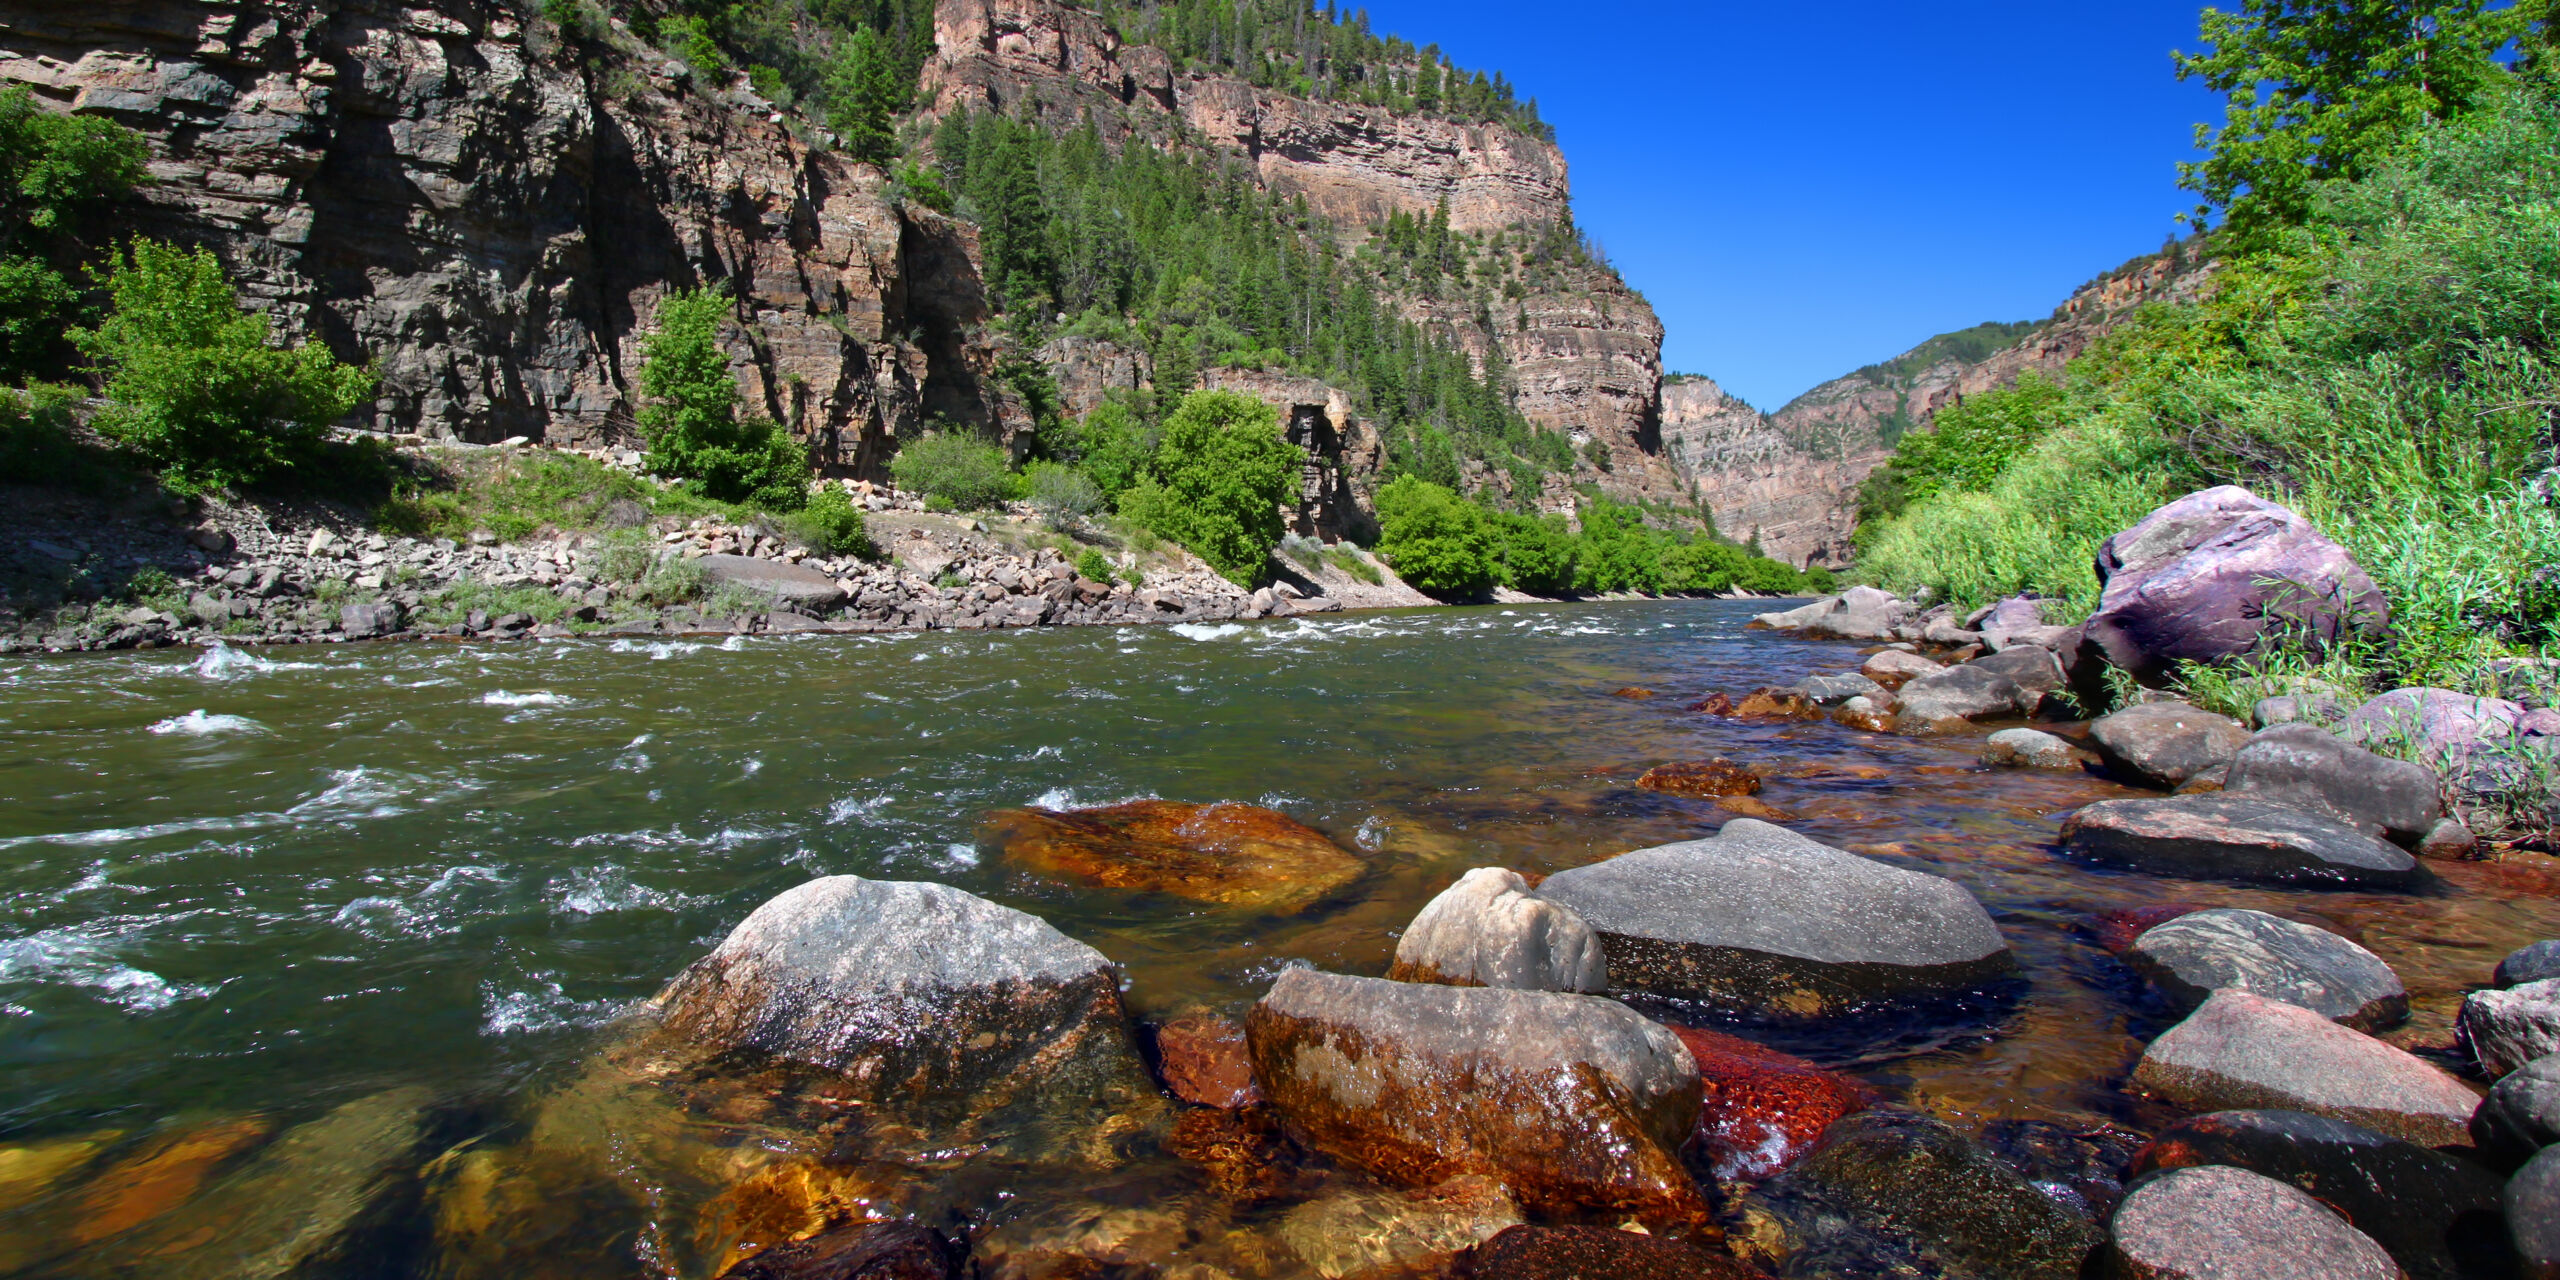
[{"x": 388, "y": 902}]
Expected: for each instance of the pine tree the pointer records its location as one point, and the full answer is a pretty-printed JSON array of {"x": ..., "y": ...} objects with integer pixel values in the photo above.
[{"x": 867, "y": 85}]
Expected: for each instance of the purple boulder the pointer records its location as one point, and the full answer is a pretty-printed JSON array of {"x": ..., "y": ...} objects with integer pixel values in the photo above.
[{"x": 2209, "y": 576}]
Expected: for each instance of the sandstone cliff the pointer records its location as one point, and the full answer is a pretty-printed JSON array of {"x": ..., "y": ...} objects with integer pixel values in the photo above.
[
  {"x": 455, "y": 193},
  {"x": 1759, "y": 482}
]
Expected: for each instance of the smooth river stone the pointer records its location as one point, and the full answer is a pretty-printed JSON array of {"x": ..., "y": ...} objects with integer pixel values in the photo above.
[
  {"x": 1946, "y": 701},
  {"x": 1915, "y": 1182},
  {"x": 1232, "y": 855},
  {"x": 2193, "y": 956},
  {"x": 2521, "y": 1115},
  {"x": 2241, "y": 1051},
  {"x": 2533, "y": 1215},
  {"x": 2529, "y": 964},
  {"x": 2221, "y": 1223},
  {"x": 1488, "y": 931},
  {"x": 2162, "y": 744},
  {"x": 1761, "y": 919},
  {"x": 2235, "y": 837},
  {"x": 1574, "y": 1102},
  {"x": 913, "y": 991},
  {"x": 2508, "y": 1028},
  {"x": 2308, "y": 767},
  {"x": 2436, "y": 1214}
]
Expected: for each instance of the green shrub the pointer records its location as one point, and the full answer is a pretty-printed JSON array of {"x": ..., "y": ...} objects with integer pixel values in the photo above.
[
  {"x": 623, "y": 555},
  {"x": 960, "y": 470},
  {"x": 1618, "y": 552},
  {"x": 1093, "y": 566},
  {"x": 831, "y": 526},
  {"x": 1064, "y": 496},
  {"x": 193, "y": 384},
  {"x": 55, "y": 170},
  {"x": 39, "y": 447},
  {"x": 1437, "y": 541},
  {"x": 690, "y": 417},
  {"x": 1113, "y": 444},
  {"x": 672, "y": 580},
  {"x": 1536, "y": 552},
  {"x": 1217, "y": 481}
]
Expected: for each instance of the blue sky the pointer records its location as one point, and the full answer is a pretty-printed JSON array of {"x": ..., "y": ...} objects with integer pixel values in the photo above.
[{"x": 1804, "y": 189}]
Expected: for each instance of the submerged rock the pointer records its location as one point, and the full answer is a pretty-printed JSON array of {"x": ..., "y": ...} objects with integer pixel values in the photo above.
[
  {"x": 2191, "y": 957},
  {"x": 1907, "y": 1194},
  {"x": 2220, "y": 1223},
  {"x": 162, "y": 1175},
  {"x": 2222, "y": 836},
  {"x": 2162, "y": 744},
  {"x": 1776, "y": 704},
  {"x": 1488, "y": 931},
  {"x": 1947, "y": 700},
  {"x": 2437, "y": 1215},
  {"x": 1359, "y": 1230},
  {"x": 915, "y": 992},
  {"x": 2241, "y": 1051},
  {"x": 1701, "y": 778},
  {"x": 1204, "y": 1063},
  {"x": 1762, "y": 1109},
  {"x": 2204, "y": 578},
  {"x": 1831, "y": 691},
  {"x": 1577, "y": 1103},
  {"x": 1588, "y": 1253},
  {"x": 1234, "y": 855},
  {"x": 1242, "y": 1154},
  {"x": 2508, "y": 1028},
  {"x": 2521, "y": 1115},
  {"x": 896, "y": 1250},
  {"x": 2308, "y": 767},
  {"x": 1759, "y": 918}
]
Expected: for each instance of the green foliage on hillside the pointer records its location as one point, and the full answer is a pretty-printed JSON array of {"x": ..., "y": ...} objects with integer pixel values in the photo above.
[
  {"x": 1186, "y": 256},
  {"x": 1966, "y": 448},
  {"x": 2386, "y": 368},
  {"x": 954, "y": 470},
  {"x": 55, "y": 171},
  {"x": 850, "y": 64},
  {"x": 1329, "y": 54},
  {"x": 690, "y": 413},
  {"x": 194, "y": 385},
  {"x": 1454, "y": 548},
  {"x": 1216, "y": 482}
]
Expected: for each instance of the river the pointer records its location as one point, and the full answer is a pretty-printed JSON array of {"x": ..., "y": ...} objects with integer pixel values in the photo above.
[{"x": 253, "y": 888}]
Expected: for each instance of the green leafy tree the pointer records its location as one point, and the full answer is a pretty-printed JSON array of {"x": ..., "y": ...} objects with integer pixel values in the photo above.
[
  {"x": 192, "y": 381},
  {"x": 1537, "y": 552},
  {"x": 867, "y": 84},
  {"x": 55, "y": 171},
  {"x": 1113, "y": 444},
  {"x": 1437, "y": 541},
  {"x": 690, "y": 415},
  {"x": 1618, "y": 551},
  {"x": 1967, "y": 446},
  {"x": 954, "y": 469},
  {"x": 2325, "y": 89},
  {"x": 1217, "y": 480}
]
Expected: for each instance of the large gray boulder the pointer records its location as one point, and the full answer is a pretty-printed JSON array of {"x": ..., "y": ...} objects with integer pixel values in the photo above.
[
  {"x": 2241, "y": 1051},
  {"x": 2017, "y": 621},
  {"x": 2214, "y": 1222},
  {"x": 1831, "y": 691},
  {"x": 2201, "y": 952},
  {"x": 1759, "y": 918},
  {"x": 2219, "y": 836},
  {"x": 2029, "y": 749},
  {"x": 1576, "y": 1103},
  {"x": 2533, "y": 1216},
  {"x": 787, "y": 585},
  {"x": 1947, "y": 699},
  {"x": 2521, "y": 1115},
  {"x": 2308, "y": 767},
  {"x": 2531, "y": 963},
  {"x": 2033, "y": 669},
  {"x": 2162, "y": 744},
  {"x": 2207, "y": 577},
  {"x": 2511, "y": 1027},
  {"x": 915, "y": 992},
  {"x": 1860, "y": 613},
  {"x": 1488, "y": 931}
]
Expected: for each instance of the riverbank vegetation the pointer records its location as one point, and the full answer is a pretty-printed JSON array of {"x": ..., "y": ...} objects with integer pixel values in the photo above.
[
  {"x": 2377, "y": 350},
  {"x": 1453, "y": 547}
]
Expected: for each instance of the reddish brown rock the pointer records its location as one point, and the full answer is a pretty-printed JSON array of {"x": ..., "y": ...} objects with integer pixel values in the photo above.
[
  {"x": 1864, "y": 714},
  {"x": 1577, "y": 1104},
  {"x": 1233, "y": 855},
  {"x": 159, "y": 1177},
  {"x": 1761, "y": 1108},
  {"x": 1714, "y": 704},
  {"x": 1777, "y": 704},
  {"x": 1590, "y": 1253},
  {"x": 1203, "y": 1062},
  {"x": 1633, "y": 693},
  {"x": 859, "y": 1251},
  {"x": 1718, "y": 777},
  {"x": 1243, "y": 1154},
  {"x": 2244, "y": 1051}
]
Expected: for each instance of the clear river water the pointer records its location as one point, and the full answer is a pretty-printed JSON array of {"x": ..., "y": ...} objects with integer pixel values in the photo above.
[{"x": 280, "y": 927}]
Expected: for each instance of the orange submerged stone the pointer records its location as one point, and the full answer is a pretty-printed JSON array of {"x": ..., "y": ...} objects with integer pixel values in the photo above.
[
  {"x": 1701, "y": 778},
  {"x": 1234, "y": 855},
  {"x": 1764, "y": 1109}
]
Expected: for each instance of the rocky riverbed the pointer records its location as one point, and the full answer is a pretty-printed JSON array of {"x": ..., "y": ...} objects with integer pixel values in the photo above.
[{"x": 1532, "y": 942}]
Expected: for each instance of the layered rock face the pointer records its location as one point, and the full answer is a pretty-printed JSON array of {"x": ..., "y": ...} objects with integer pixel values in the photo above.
[
  {"x": 1588, "y": 360},
  {"x": 1757, "y": 480},
  {"x": 449, "y": 191}
]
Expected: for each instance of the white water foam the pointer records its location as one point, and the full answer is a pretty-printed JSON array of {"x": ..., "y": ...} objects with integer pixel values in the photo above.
[
  {"x": 958, "y": 856},
  {"x": 596, "y": 891},
  {"x": 1196, "y": 631},
  {"x": 849, "y": 808},
  {"x": 352, "y": 793},
  {"x": 539, "y": 698},
  {"x": 542, "y": 1007},
  {"x": 1372, "y": 835},
  {"x": 222, "y": 662},
  {"x": 197, "y": 724},
  {"x": 80, "y": 958}
]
